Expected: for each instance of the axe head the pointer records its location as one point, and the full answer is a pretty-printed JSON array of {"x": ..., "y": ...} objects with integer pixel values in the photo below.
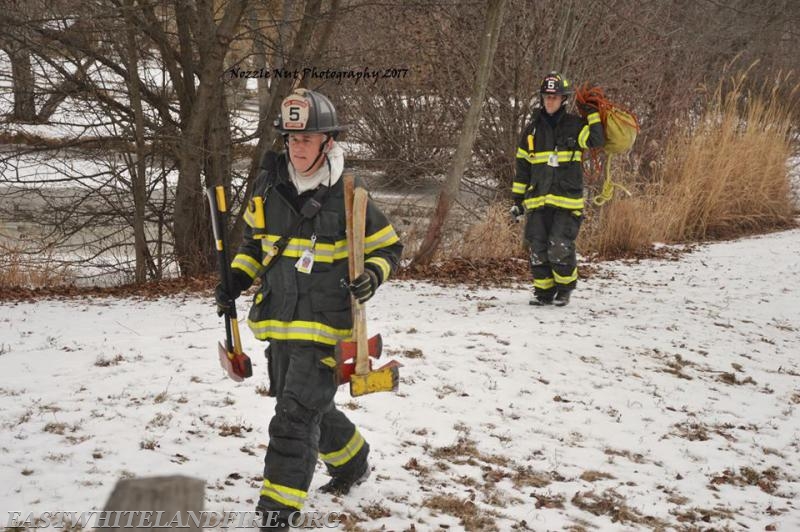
[
  {"x": 346, "y": 349},
  {"x": 346, "y": 356},
  {"x": 236, "y": 365},
  {"x": 384, "y": 379}
]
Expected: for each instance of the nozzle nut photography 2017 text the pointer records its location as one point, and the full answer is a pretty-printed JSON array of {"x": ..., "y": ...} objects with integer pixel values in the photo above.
[
  {"x": 159, "y": 519},
  {"x": 355, "y": 75}
]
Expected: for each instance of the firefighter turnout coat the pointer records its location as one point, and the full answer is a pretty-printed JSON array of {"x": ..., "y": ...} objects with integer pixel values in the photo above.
[
  {"x": 549, "y": 171},
  {"x": 307, "y": 307}
]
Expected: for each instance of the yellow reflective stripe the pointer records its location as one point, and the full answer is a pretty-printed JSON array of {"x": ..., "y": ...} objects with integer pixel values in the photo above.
[
  {"x": 285, "y": 495},
  {"x": 296, "y": 246},
  {"x": 543, "y": 157},
  {"x": 329, "y": 252},
  {"x": 593, "y": 118},
  {"x": 339, "y": 249},
  {"x": 567, "y": 156},
  {"x": 249, "y": 219},
  {"x": 346, "y": 453},
  {"x": 518, "y": 188},
  {"x": 522, "y": 154},
  {"x": 380, "y": 239},
  {"x": 530, "y": 142},
  {"x": 534, "y": 203},
  {"x": 383, "y": 264},
  {"x": 583, "y": 136},
  {"x": 556, "y": 201},
  {"x": 568, "y": 279},
  {"x": 247, "y": 264},
  {"x": 544, "y": 284},
  {"x": 312, "y": 331},
  {"x": 564, "y": 202}
]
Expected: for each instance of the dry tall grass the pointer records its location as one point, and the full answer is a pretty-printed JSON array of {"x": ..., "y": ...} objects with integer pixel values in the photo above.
[
  {"x": 19, "y": 270},
  {"x": 727, "y": 174},
  {"x": 495, "y": 236},
  {"x": 622, "y": 226}
]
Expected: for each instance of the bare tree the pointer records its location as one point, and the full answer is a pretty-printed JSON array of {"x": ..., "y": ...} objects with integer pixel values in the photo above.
[
  {"x": 138, "y": 165},
  {"x": 449, "y": 190},
  {"x": 144, "y": 89},
  {"x": 23, "y": 83},
  {"x": 187, "y": 121}
]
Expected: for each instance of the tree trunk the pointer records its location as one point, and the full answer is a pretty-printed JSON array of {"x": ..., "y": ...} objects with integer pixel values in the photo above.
[
  {"x": 266, "y": 133},
  {"x": 191, "y": 217},
  {"x": 22, "y": 84},
  {"x": 449, "y": 191},
  {"x": 259, "y": 59},
  {"x": 139, "y": 170},
  {"x": 218, "y": 155}
]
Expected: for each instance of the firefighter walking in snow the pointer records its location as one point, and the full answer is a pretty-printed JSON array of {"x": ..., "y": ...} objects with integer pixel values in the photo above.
[
  {"x": 295, "y": 242},
  {"x": 548, "y": 188}
]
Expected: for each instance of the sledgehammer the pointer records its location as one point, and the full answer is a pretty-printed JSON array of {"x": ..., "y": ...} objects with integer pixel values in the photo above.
[{"x": 364, "y": 379}]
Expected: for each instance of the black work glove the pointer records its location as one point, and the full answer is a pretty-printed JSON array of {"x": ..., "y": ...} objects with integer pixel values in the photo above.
[
  {"x": 226, "y": 299},
  {"x": 517, "y": 211},
  {"x": 363, "y": 287}
]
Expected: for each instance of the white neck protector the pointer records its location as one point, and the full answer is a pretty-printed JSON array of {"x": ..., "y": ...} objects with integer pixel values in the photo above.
[{"x": 323, "y": 176}]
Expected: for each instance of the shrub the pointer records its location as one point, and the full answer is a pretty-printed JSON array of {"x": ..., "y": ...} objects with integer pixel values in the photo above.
[{"x": 726, "y": 173}]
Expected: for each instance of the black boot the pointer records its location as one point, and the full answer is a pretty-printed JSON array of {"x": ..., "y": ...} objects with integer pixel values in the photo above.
[
  {"x": 341, "y": 485},
  {"x": 562, "y": 298},
  {"x": 542, "y": 298}
]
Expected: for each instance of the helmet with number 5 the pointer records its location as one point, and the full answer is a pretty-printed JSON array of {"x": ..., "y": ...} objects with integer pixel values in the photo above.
[
  {"x": 307, "y": 111},
  {"x": 555, "y": 83}
]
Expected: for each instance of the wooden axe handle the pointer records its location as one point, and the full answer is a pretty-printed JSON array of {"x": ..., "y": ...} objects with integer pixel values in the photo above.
[
  {"x": 359, "y": 311},
  {"x": 348, "y": 214}
]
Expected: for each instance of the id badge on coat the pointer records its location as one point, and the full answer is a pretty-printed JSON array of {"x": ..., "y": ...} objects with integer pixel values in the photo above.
[
  {"x": 552, "y": 160},
  {"x": 306, "y": 261}
]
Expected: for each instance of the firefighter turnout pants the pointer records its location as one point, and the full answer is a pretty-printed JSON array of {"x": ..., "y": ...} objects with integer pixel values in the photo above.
[
  {"x": 306, "y": 425},
  {"x": 550, "y": 233}
]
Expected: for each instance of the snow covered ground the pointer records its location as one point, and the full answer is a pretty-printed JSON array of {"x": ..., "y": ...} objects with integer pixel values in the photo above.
[{"x": 665, "y": 397}]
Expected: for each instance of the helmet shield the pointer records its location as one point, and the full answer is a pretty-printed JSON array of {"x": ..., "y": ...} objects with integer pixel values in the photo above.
[
  {"x": 307, "y": 111},
  {"x": 294, "y": 113},
  {"x": 555, "y": 83}
]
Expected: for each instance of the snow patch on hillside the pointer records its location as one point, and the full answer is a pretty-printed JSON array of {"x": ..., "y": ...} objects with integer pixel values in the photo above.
[{"x": 666, "y": 393}]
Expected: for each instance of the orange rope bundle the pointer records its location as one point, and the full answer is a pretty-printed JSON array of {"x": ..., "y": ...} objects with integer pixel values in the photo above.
[
  {"x": 620, "y": 127},
  {"x": 596, "y": 97}
]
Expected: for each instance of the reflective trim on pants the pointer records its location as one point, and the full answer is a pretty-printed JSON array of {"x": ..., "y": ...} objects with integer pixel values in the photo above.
[
  {"x": 345, "y": 454},
  {"x": 284, "y": 495}
]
